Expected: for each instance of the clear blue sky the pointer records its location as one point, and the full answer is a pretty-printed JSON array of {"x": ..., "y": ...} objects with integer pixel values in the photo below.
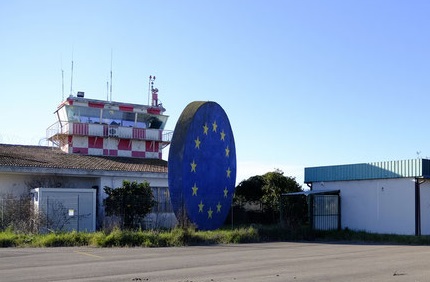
[{"x": 304, "y": 83}]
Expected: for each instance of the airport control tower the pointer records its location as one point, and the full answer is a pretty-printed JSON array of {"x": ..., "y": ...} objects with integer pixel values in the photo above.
[{"x": 108, "y": 128}]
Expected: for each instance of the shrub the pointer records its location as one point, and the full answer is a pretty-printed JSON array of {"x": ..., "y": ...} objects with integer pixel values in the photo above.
[
  {"x": 130, "y": 202},
  {"x": 7, "y": 239}
]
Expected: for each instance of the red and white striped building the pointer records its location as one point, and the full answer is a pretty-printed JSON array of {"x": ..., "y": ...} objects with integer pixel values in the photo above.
[
  {"x": 107, "y": 128},
  {"x": 100, "y": 144}
]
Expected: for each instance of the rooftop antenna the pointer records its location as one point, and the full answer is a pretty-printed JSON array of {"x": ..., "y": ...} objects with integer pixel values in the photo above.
[
  {"x": 71, "y": 78},
  {"x": 150, "y": 85},
  {"x": 111, "y": 75},
  {"x": 62, "y": 80},
  {"x": 107, "y": 90},
  {"x": 62, "y": 84}
]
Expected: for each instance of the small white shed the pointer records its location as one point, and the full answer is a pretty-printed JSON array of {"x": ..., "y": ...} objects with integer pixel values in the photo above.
[
  {"x": 391, "y": 197},
  {"x": 66, "y": 209}
]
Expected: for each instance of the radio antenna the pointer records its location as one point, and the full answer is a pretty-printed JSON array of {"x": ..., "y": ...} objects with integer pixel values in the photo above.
[
  {"x": 150, "y": 86},
  {"x": 71, "y": 78},
  {"x": 62, "y": 84},
  {"x": 62, "y": 80},
  {"x": 111, "y": 75},
  {"x": 107, "y": 90}
]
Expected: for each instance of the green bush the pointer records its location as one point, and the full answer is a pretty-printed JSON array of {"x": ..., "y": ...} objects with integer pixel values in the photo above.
[
  {"x": 126, "y": 238},
  {"x": 96, "y": 239},
  {"x": 7, "y": 239},
  {"x": 71, "y": 239}
]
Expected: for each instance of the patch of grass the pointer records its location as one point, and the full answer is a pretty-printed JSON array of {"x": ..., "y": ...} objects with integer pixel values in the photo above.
[
  {"x": 7, "y": 239},
  {"x": 189, "y": 236},
  {"x": 70, "y": 239},
  {"x": 240, "y": 235},
  {"x": 125, "y": 238}
]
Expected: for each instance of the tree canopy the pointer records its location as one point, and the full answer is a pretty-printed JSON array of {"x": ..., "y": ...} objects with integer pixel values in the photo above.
[
  {"x": 266, "y": 190},
  {"x": 250, "y": 190},
  {"x": 274, "y": 186},
  {"x": 130, "y": 202}
]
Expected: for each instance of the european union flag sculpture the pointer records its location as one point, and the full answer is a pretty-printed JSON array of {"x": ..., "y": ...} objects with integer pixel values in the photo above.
[{"x": 202, "y": 165}]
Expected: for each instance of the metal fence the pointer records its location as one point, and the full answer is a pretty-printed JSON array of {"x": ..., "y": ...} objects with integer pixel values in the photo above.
[
  {"x": 325, "y": 213},
  {"x": 320, "y": 210},
  {"x": 16, "y": 213},
  {"x": 21, "y": 214}
]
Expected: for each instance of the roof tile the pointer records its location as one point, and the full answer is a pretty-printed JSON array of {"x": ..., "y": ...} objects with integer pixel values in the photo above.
[{"x": 52, "y": 157}]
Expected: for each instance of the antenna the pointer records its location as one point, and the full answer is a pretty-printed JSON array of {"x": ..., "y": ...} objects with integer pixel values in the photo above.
[
  {"x": 62, "y": 79},
  {"x": 107, "y": 90},
  {"x": 62, "y": 84},
  {"x": 111, "y": 75},
  {"x": 71, "y": 78},
  {"x": 150, "y": 86}
]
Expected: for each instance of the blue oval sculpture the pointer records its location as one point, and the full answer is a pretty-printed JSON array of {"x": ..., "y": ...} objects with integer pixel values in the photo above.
[{"x": 202, "y": 165}]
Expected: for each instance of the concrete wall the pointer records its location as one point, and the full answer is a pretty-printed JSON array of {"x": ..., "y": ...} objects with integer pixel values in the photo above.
[
  {"x": 13, "y": 184},
  {"x": 18, "y": 184},
  {"x": 379, "y": 206}
]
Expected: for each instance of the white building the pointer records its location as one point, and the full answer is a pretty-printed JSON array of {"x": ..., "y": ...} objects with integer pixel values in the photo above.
[{"x": 390, "y": 197}]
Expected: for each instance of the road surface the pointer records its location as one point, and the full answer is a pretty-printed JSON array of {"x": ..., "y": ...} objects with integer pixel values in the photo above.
[{"x": 242, "y": 262}]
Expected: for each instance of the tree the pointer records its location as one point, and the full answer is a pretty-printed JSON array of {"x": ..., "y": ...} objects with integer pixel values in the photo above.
[
  {"x": 266, "y": 190},
  {"x": 275, "y": 185},
  {"x": 250, "y": 190},
  {"x": 130, "y": 202}
]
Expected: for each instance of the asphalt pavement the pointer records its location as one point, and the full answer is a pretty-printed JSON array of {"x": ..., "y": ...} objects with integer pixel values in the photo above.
[{"x": 236, "y": 262}]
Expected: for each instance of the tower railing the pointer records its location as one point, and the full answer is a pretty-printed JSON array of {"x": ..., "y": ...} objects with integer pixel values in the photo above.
[{"x": 107, "y": 131}]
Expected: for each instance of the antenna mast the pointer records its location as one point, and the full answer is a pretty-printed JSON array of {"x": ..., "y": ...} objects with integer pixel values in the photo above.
[
  {"x": 62, "y": 84},
  {"x": 111, "y": 75},
  {"x": 71, "y": 79},
  {"x": 107, "y": 90},
  {"x": 150, "y": 86},
  {"x": 62, "y": 79}
]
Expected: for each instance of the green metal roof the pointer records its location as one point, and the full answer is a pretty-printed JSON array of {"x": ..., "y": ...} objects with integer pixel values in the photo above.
[{"x": 388, "y": 169}]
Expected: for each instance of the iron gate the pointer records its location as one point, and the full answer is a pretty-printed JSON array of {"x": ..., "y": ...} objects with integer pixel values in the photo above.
[{"x": 325, "y": 212}]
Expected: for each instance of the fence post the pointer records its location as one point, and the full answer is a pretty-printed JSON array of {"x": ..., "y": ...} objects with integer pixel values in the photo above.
[
  {"x": 311, "y": 211},
  {"x": 281, "y": 211},
  {"x": 2, "y": 212},
  {"x": 47, "y": 213},
  {"x": 78, "y": 214}
]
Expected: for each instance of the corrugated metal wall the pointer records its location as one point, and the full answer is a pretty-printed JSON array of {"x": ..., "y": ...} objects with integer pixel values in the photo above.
[{"x": 388, "y": 169}]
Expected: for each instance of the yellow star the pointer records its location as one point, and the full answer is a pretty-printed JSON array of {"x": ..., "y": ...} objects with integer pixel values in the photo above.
[
  {"x": 193, "y": 166},
  {"x": 222, "y": 135},
  {"x": 205, "y": 129},
  {"x": 225, "y": 192},
  {"x": 210, "y": 211},
  {"x": 195, "y": 188},
  {"x": 197, "y": 141},
  {"x": 228, "y": 172},
  {"x": 214, "y": 126},
  {"x": 218, "y": 207},
  {"x": 227, "y": 151},
  {"x": 201, "y": 206}
]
